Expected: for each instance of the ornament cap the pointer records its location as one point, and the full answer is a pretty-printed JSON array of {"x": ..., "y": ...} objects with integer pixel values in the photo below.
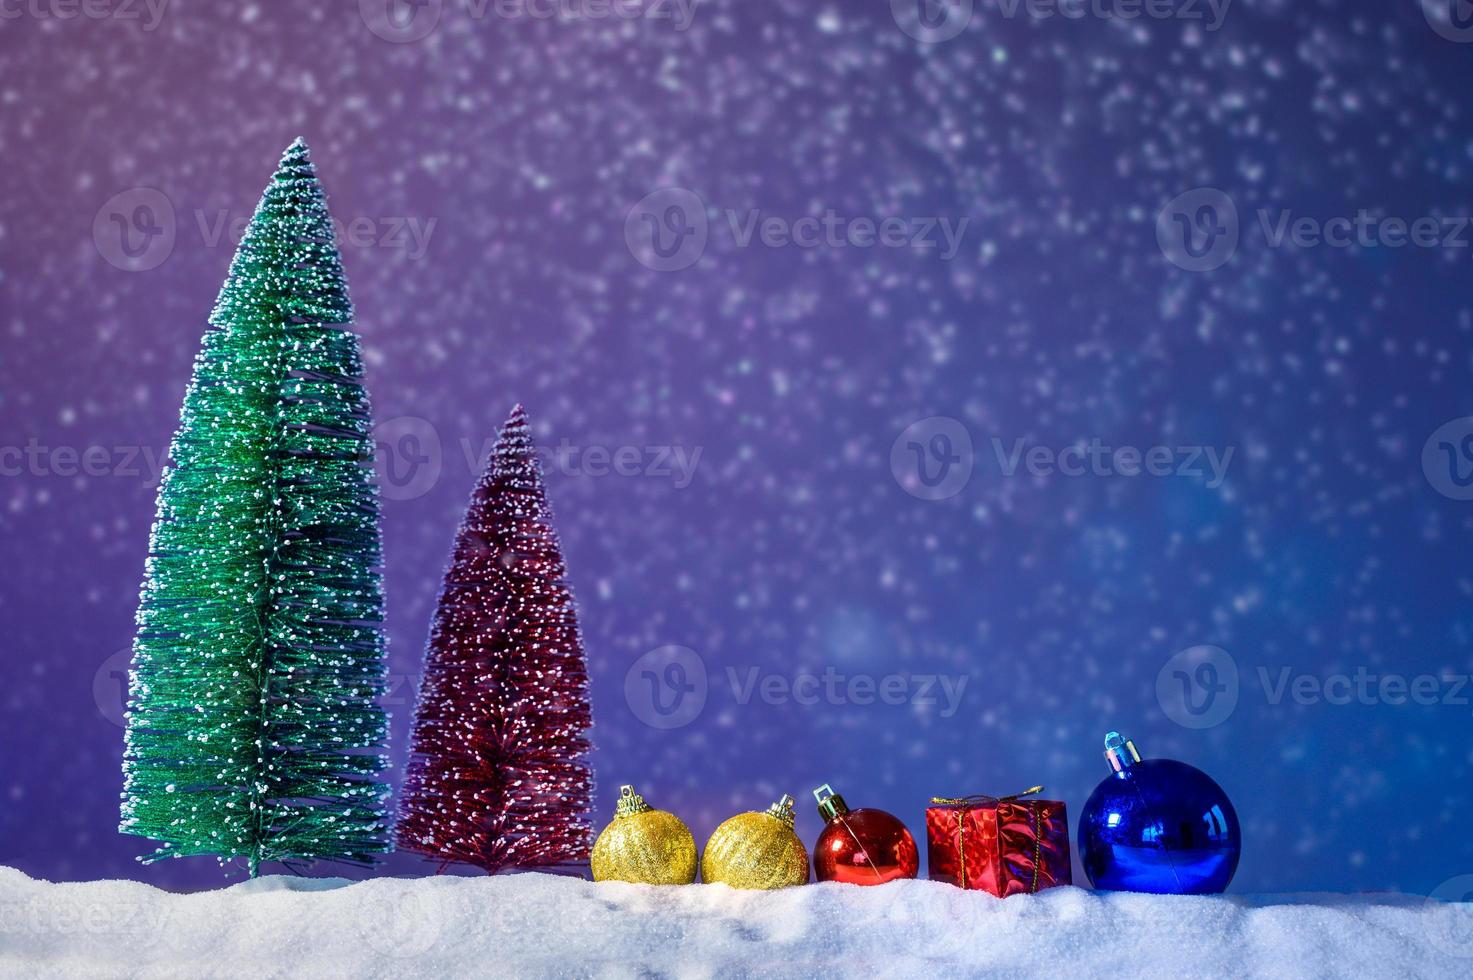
[
  {"x": 830, "y": 804},
  {"x": 1120, "y": 752},
  {"x": 783, "y": 810},
  {"x": 630, "y": 802}
]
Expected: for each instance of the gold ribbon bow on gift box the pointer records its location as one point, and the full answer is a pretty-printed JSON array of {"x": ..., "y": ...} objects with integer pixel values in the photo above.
[{"x": 968, "y": 802}]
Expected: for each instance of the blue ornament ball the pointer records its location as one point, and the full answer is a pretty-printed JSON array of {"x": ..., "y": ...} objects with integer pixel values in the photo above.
[{"x": 1158, "y": 826}]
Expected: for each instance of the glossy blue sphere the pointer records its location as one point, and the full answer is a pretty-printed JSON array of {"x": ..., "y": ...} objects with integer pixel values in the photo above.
[{"x": 1159, "y": 826}]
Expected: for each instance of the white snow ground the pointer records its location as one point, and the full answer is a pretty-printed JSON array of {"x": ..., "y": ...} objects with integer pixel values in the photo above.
[{"x": 533, "y": 925}]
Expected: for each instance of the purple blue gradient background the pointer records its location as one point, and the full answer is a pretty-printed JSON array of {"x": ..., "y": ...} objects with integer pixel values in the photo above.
[{"x": 795, "y": 548}]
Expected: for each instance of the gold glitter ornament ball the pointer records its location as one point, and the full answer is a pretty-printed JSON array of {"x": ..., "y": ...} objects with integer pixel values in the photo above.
[
  {"x": 644, "y": 845},
  {"x": 757, "y": 850}
]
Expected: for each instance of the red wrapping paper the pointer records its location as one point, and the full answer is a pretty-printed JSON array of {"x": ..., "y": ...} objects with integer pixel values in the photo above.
[{"x": 1004, "y": 845}]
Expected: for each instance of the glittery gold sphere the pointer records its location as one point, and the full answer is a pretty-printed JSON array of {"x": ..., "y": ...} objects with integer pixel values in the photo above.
[
  {"x": 757, "y": 850},
  {"x": 644, "y": 845}
]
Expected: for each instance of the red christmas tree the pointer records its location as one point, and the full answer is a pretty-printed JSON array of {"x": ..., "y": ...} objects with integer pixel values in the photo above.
[{"x": 499, "y": 773}]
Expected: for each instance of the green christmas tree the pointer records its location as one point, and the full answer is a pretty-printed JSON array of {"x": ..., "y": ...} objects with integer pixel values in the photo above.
[{"x": 254, "y": 728}]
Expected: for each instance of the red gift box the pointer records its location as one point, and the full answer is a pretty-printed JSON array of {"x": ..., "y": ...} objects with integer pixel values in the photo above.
[{"x": 1006, "y": 845}]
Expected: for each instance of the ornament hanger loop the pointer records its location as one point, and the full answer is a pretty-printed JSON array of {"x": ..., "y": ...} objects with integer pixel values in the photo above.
[
  {"x": 630, "y": 802},
  {"x": 830, "y": 804},
  {"x": 1120, "y": 752}
]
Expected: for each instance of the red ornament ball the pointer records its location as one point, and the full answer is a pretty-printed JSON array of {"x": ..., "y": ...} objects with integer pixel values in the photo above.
[{"x": 862, "y": 847}]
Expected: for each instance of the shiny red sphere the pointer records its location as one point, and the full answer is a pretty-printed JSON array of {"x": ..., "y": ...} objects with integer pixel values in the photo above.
[{"x": 865, "y": 847}]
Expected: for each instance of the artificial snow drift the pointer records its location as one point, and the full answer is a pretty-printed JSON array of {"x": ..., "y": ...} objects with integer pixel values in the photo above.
[{"x": 532, "y": 925}]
